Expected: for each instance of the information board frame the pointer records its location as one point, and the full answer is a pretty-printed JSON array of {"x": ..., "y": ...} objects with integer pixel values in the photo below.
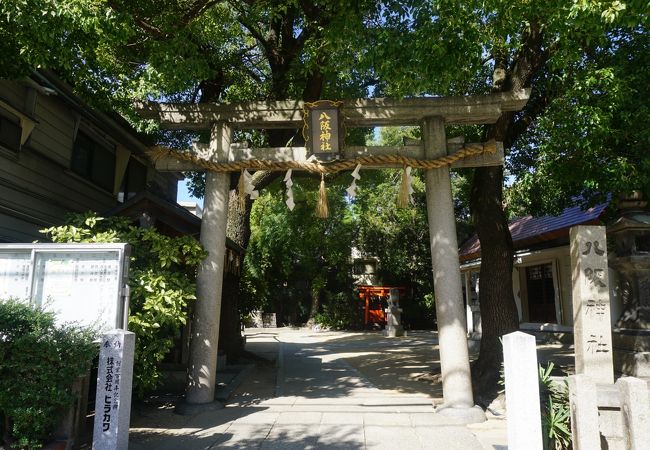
[{"x": 123, "y": 258}]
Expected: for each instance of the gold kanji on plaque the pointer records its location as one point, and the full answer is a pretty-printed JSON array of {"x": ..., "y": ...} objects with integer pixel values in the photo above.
[{"x": 321, "y": 129}]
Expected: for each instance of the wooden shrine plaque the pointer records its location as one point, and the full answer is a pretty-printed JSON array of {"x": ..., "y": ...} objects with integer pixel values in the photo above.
[{"x": 323, "y": 132}]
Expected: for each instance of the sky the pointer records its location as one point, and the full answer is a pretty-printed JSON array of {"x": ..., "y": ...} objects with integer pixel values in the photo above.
[{"x": 185, "y": 196}]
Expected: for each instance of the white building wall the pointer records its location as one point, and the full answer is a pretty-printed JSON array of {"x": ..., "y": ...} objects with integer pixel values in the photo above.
[{"x": 561, "y": 260}]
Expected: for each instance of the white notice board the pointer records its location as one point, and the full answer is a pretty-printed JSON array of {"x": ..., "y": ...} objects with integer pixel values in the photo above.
[
  {"x": 15, "y": 274},
  {"x": 84, "y": 283}
]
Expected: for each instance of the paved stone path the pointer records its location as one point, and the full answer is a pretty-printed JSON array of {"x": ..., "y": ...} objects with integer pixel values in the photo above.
[{"x": 318, "y": 401}]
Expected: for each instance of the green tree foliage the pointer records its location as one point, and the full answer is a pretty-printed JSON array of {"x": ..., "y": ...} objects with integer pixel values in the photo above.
[
  {"x": 291, "y": 253},
  {"x": 399, "y": 238},
  {"x": 341, "y": 311},
  {"x": 39, "y": 361},
  {"x": 118, "y": 51},
  {"x": 293, "y": 256},
  {"x": 594, "y": 136},
  {"x": 281, "y": 272},
  {"x": 162, "y": 276},
  {"x": 583, "y": 134}
]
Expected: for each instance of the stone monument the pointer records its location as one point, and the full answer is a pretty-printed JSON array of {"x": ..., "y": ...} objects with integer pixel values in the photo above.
[
  {"x": 631, "y": 233},
  {"x": 591, "y": 309},
  {"x": 113, "y": 401}
]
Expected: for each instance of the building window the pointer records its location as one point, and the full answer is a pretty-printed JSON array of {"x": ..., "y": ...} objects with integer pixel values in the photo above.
[
  {"x": 10, "y": 131},
  {"x": 93, "y": 161},
  {"x": 135, "y": 180},
  {"x": 540, "y": 291}
]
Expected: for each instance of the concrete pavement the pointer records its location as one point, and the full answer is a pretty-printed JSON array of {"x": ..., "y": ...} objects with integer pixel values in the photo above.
[{"x": 326, "y": 390}]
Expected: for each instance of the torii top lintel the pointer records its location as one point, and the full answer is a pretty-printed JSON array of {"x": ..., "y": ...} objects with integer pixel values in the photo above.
[{"x": 483, "y": 109}]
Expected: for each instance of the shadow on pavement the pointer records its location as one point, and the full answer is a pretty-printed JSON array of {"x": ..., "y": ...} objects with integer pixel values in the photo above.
[
  {"x": 162, "y": 429},
  {"x": 400, "y": 365}
]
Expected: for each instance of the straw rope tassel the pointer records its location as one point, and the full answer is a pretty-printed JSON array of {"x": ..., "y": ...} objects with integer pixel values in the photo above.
[
  {"x": 322, "y": 210},
  {"x": 242, "y": 190},
  {"x": 404, "y": 195}
]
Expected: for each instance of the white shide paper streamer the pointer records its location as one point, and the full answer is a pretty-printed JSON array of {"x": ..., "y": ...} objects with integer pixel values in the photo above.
[
  {"x": 352, "y": 190},
  {"x": 248, "y": 185},
  {"x": 287, "y": 181}
]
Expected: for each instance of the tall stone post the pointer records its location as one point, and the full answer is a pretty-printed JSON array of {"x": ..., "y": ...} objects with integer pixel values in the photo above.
[
  {"x": 209, "y": 283},
  {"x": 454, "y": 356},
  {"x": 591, "y": 315}
]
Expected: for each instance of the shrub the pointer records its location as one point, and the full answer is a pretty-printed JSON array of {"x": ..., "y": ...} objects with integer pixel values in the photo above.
[
  {"x": 39, "y": 361},
  {"x": 556, "y": 412},
  {"x": 162, "y": 277},
  {"x": 340, "y": 312}
]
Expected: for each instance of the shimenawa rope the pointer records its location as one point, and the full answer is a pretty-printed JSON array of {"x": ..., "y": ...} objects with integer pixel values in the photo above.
[{"x": 330, "y": 167}]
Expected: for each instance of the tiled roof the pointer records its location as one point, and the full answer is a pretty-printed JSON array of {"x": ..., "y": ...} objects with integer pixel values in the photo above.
[{"x": 532, "y": 230}]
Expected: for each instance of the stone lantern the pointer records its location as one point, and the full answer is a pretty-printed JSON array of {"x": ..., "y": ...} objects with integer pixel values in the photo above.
[{"x": 631, "y": 236}]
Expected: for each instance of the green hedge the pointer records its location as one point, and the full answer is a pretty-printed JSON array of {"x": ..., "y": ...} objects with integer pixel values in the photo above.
[{"x": 39, "y": 361}]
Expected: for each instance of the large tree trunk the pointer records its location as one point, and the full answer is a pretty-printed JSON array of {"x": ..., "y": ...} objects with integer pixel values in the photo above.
[
  {"x": 238, "y": 231},
  {"x": 231, "y": 340},
  {"x": 499, "y": 314},
  {"x": 315, "y": 305},
  {"x": 281, "y": 48},
  {"x": 498, "y": 309}
]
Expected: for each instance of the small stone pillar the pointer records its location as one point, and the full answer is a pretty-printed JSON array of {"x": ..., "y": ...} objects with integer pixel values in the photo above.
[
  {"x": 452, "y": 338},
  {"x": 209, "y": 282},
  {"x": 591, "y": 315},
  {"x": 635, "y": 407},
  {"x": 113, "y": 399},
  {"x": 394, "y": 326},
  {"x": 522, "y": 391},
  {"x": 585, "y": 430}
]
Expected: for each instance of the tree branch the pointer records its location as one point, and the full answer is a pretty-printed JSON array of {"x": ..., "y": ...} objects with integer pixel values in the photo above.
[
  {"x": 527, "y": 63},
  {"x": 196, "y": 9},
  {"x": 534, "y": 108},
  {"x": 257, "y": 34},
  {"x": 140, "y": 22},
  {"x": 530, "y": 58}
]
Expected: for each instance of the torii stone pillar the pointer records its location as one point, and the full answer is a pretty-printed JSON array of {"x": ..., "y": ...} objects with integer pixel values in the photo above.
[
  {"x": 202, "y": 369},
  {"x": 452, "y": 338}
]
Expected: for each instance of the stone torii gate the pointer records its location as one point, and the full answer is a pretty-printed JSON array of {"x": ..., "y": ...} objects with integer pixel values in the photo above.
[{"x": 220, "y": 156}]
